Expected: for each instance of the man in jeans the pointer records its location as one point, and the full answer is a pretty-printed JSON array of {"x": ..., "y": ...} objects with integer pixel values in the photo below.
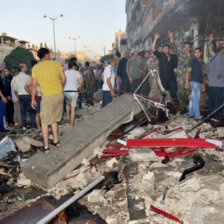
[
  {"x": 195, "y": 74},
  {"x": 51, "y": 78},
  {"x": 215, "y": 72},
  {"x": 23, "y": 97}
]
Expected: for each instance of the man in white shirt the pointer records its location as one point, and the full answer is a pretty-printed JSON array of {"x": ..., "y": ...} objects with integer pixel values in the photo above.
[
  {"x": 24, "y": 97},
  {"x": 17, "y": 115},
  {"x": 73, "y": 83},
  {"x": 109, "y": 81}
]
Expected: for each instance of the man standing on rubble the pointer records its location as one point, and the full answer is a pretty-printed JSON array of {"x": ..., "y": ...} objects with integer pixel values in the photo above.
[
  {"x": 109, "y": 82},
  {"x": 194, "y": 80},
  {"x": 167, "y": 67},
  {"x": 144, "y": 71},
  {"x": 215, "y": 72},
  {"x": 122, "y": 73},
  {"x": 3, "y": 102},
  {"x": 133, "y": 71},
  {"x": 51, "y": 78},
  {"x": 183, "y": 61}
]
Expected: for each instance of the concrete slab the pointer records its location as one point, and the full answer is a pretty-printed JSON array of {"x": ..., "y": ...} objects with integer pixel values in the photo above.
[{"x": 47, "y": 170}]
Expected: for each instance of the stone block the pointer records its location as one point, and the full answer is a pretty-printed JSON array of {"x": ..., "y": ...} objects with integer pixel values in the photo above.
[{"x": 47, "y": 170}]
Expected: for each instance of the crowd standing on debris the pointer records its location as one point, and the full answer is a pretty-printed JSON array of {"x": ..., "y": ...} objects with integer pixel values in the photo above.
[{"x": 48, "y": 89}]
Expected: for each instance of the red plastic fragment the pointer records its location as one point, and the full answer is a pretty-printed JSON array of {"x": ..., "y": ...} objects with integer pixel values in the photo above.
[{"x": 166, "y": 214}]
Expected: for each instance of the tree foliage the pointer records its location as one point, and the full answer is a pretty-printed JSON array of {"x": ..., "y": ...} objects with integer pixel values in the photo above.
[
  {"x": 105, "y": 58},
  {"x": 17, "y": 56}
]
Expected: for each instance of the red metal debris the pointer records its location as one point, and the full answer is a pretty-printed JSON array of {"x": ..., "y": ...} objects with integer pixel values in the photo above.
[
  {"x": 172, "y": 142},
  {"x": 166, "y": 214}
]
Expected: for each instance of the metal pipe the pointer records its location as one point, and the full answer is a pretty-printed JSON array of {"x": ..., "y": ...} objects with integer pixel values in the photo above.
[
  {"x": 54, "y": 39},
  {"x": 206, "y": 118},
  {"x": 55, "y": 212}
]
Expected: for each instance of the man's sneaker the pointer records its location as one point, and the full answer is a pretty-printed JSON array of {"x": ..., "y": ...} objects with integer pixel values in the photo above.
[
  {"x": 24, "y": 128},
  {"x": 199, "y": 119}
]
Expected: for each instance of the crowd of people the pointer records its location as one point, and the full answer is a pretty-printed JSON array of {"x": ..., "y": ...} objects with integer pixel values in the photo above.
[
  {"x": 48, "y": 89},
  {"x": 183, "y": 75}
]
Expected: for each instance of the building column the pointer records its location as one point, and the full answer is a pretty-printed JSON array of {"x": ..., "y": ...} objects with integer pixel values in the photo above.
[{"x": 196, "y": 33}]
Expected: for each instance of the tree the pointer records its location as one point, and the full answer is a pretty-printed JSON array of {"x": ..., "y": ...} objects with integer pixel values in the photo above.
[
  {"x": 18, "y": 56},
  {"x": 105, "y": 58}
]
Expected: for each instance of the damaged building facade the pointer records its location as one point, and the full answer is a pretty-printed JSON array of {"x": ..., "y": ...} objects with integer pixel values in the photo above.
[{"x": 190, "y": 20}]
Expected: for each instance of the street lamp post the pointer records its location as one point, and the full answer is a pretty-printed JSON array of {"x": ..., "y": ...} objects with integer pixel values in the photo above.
[
  {"x": 53, "y": 21},
  {"x": 75, "y": 43},
  {"x": 85, "y": 47}
]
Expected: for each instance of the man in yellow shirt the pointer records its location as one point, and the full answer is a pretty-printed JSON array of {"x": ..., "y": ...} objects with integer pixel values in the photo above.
[{"x": 51, "y": 79}]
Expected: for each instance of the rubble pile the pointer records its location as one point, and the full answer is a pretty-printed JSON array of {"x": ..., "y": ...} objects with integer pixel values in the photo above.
[{"x": 137, "y": 181}]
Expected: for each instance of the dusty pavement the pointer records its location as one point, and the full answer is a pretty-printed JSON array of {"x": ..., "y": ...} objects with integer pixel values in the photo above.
[{"x": 139, "y": 184}]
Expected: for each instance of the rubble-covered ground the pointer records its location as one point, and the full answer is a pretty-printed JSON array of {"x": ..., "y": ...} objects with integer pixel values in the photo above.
[{"x": 196, "y": 200}]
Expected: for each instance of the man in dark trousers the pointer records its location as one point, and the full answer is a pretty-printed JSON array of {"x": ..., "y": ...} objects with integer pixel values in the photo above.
[
  {"x": 167, "y": 66},
  {"x": 122, "y": 73},
  {"x": 6, "y": 81},
  {"x": 3, "y": 101},
  {"x": 215, "y": 72}
]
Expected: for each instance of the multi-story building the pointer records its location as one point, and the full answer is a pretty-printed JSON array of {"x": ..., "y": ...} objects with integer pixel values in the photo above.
[
  {"x": 191, "y": 20},
  {"x": 120, "y": 43},
  {"x": 8, "y": 43}
]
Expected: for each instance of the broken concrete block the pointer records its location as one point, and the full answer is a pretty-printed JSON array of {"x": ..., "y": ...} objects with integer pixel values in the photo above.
[
  {"x": 98, "y": 96},
  {"x": 148, "y": 181},
  {"x": 22, "y": 146},
  {"x": 190, "y": 185},
  {"x": 143, "y": 154},
  {"x": 85, "y": 162},
  {"x": 112, "y": 163},
  {"x": 32, "y": 142},
  {"x": 23, "y": 181},
  {"x": 177, "y": 134},
  {"x": 96, "y": 196},
  {"x": 149, "y": 177}
]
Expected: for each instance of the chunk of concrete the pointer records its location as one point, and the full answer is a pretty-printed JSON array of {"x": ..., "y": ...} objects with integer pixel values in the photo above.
[
  {"x": 190, "y": 185},
  {"x": 22, "y": 146},
  {"x": 32, "y": 142},
  {"x": 98, "y": 96},
  {"x": 177, "y": 134},
  {"x": 96, "y": 197},
  {"x": 23, "y": 181},
  {"x": 143, "y": 155},
  {"x": 112, "y": 163},
  {"x": 47, "y": 170}
]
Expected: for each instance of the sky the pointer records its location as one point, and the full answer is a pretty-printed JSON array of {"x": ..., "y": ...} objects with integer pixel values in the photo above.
[{"x": 95, "y": 21}]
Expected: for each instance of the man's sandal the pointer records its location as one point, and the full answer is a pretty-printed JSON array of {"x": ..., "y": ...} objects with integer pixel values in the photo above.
[
  {"x": 57, "y": 144},
  {"x": 47, "y": 150}
]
